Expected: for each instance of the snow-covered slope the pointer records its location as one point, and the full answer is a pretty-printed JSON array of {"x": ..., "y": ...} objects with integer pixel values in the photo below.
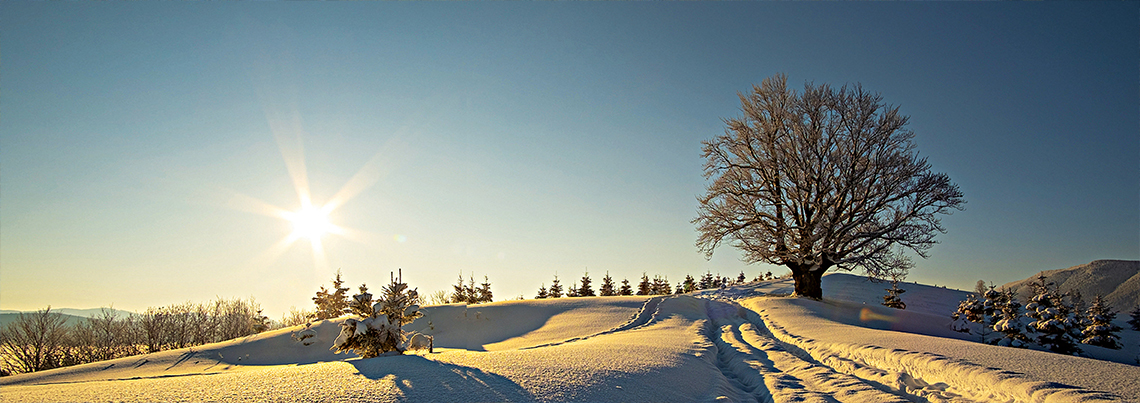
[
  {"x": 737, "y": 344},
  {"x": 1117, "y": 281}
]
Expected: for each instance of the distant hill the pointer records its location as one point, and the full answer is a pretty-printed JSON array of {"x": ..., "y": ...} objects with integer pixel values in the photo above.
[
  {"x": 72, "y": 320},
  {"x": 1117, "y": 281},
  {"x": 73, "y": 316}
]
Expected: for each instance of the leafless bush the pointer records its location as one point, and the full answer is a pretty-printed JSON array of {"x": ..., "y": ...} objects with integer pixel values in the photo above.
[
  {"x": 296, "y": 317},
  {"x": 34, "y": 342}
]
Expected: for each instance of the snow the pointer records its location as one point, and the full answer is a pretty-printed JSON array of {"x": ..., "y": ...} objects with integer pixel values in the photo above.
[{"x": 743, "y": 343}]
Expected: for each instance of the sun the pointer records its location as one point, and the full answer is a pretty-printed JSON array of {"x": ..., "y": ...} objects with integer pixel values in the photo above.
[{"x": 309, "y": 222}]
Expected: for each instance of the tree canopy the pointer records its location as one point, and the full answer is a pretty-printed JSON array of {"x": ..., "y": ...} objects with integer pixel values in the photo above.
[{"x": 820, "y": 179}]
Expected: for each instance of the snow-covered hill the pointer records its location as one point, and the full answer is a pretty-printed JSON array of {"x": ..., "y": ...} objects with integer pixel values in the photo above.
[
  {"x": 737, "y": 344},
  {"x": 1117, "y": 281}
]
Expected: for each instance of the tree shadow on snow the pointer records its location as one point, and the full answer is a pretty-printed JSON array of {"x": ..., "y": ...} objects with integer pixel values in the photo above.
[{"x": 421, "y": 379}]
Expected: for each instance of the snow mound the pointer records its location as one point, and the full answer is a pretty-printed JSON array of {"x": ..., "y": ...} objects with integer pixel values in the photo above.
[{"x": 1117, "y": 281}]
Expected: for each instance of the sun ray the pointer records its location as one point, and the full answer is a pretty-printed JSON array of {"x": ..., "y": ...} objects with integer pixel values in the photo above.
[
  {"x": 371, "y": 172},
  {"x": 312, "y": 220},
  {"x": 250, "y": 204}
]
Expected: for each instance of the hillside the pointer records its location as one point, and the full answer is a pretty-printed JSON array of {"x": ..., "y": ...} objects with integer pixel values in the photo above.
[
  {"x": 1117, "y": 281},
  {"x": 742, "y": 344}
]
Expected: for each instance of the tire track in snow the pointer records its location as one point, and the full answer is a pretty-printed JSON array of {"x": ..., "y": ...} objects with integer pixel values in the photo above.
[
  {"x": 762, "y": 367},
  {"x": 643, "y": 317},
  {"x": 926, "y": 376}
]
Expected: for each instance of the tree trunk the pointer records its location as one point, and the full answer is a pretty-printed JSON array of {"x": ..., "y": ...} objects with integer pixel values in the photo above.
[{"x": 808, "y": 283}]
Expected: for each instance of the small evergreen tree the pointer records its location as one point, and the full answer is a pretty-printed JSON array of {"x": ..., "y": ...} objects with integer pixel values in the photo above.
[
  {"x": 644, "y": 287},
  {"x": 660, "y": 286},
  {"x": 260, "y": 322},
  {"x": 768, "y": 275},
  {"x": 892, "y": 298},
  {"x": 706, "y": 281},
  {"x": 1049, "y": 321},
  {"x": 555, "y": 288},
  {"x": 484, "y": 291},
  {"x": 1100, "y": 330},
  {"x": 572, "y": 292},
  {"x": 689, "y": 285},
  {"x": 991, "y": 307},
  {"x": 542, "y": 294},
  {"x": 585, "y": 290},
  {"x": 361, "y": 304},
  {"x": 740, "y": 278},
  {"x": 626, "y": 289},
  {"x": 607, "y": 288},
  {"x": 379, "y": 330},
  {"x": 1075, "y": 310},
  {"x": 1135, "y": 321},
  {"x": 1008, "y": 310},
  {"x": 332, "y": 304},
  {"x": 969, "y": 311},
  {"x": 460, "y": 291}
]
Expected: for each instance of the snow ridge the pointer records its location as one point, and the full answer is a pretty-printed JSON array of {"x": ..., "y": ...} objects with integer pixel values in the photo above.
[{"x": 645, "y": 316}]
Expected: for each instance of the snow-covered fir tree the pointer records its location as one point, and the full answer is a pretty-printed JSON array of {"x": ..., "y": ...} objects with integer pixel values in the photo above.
[
  {"x": 585, "y": 290},
  {"x": 740, "y": 279},
  {"x": 991, "y": 307},
  {"x": 1050, "y": 322},
  {"x": 1100, "y": 331},
  {"x": 607, "y": 288},
  {"x": 1075, "y": 309},
  {"x": 555, "y": 288},
  {"x": 361, "y": 304},
  {"x": 644, "y": 287},
  {"x": 892, "y": 298},
  {"x": 332, "y": 304},
  {"x": 377, "y": 329},
  {"x": 980, "y": 309},
  {"x": 542, "y": 294},
  {"x": 768, "y": 276},
  {"x": 969, "y": 311},
  {"x": 1008, "y": 313},
  {"x": 625, "y": 289},
  {"x": 573, "y": 291},
  {"x": 1135, "y": 321}
]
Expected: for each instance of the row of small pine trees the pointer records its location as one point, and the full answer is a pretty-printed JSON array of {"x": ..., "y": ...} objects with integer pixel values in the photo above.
[
  {"x": 1058, "y": 321},
  {"x": 656, "y": 286}
]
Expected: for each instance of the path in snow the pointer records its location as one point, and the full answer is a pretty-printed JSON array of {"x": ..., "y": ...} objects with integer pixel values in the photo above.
[{"x": 776, "y": 352}]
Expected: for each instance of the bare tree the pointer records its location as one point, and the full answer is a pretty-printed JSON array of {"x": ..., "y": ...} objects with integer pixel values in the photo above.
[
  {"x": 34, "y": 342},
  {"x": 296, "y": 317},
  {"x": 827, "y": 178}
]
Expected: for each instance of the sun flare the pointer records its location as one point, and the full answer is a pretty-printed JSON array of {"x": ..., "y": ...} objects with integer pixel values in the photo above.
[{"x": 309, "y": 222}]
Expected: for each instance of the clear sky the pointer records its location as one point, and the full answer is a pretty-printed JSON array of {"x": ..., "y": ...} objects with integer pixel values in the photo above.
[{"x": 144, "y": 146}]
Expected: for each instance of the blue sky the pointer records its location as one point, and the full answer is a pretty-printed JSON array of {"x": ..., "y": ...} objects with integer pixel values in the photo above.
[{"x": 519, "y": 140}]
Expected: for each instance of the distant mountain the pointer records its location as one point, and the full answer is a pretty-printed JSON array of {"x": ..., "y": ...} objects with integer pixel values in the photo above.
[
  {"x": 1117, "y": 281},
  {"x": 72, "y": 316},
  {"x": 71, "y": 320}
]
